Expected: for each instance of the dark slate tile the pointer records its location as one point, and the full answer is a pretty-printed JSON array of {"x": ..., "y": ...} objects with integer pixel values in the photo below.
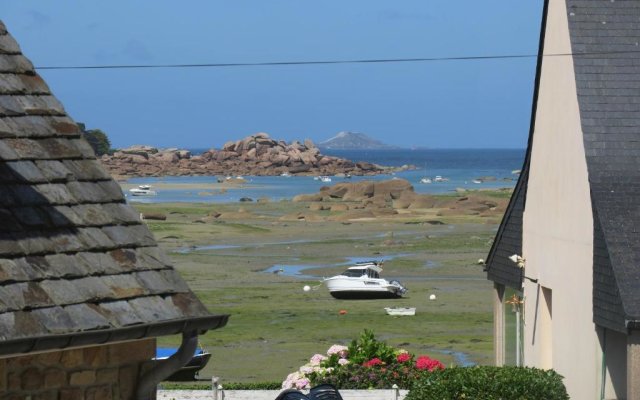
[
  {"x": 26, "y": 171},
  {"x": 84, "y": 148},
  {"x": 54, "y": 171},
  {"x": 9, "y": 246},
  {"x": 86, "y": 192},
  {"x": 6, "y": 130},
  {"x": 111, "y": 190},
  {"x": 61, "y": 148},
  {"x": 122, "y": 213},
  {"x": 64, "y": 126},
  {"x": 127, "y": 259},
  {"x": 31, "y": 217},
  {"x": 34, "y": 243},
  {"x": 119, "y": 313},
  {"x": 66, "y": 266},
  {"x": 98, "y": 263},
  {"x": 7, "y": 323},
  {"x": 123, "y": 235},
  {"x": 125, "y": 286},
  {"x": 28, "y": 126},
  {"x": 26, "y": 324},
  {"x": 188, "y": 304},
  {"x": 10, "y": 106},
  {"x": 56, "y": 193},
  {"x": 86, "y": 169},
  {"x": 16, "y": 64},
  {"x": 93, "y": 214},
  {"x": 34, "y": 296},
  {"x": 41, "y": 105},
  {"x": 9, "y": 222},
  {"x": 27, "y": 148},
  {"x": 11, "y": 298},
  {"x": 86, "y": 318},
  {"x": 63, "y": 292},
  {"x": 10, "y": 272},
  {"x": 7, "y": 152},
  {"x": 32, "y": 84},
  {"x": 55, "y": 320},
  {"x": 153, "y": 255},
  {"x": 155, "y": 308},
  {"x": 8, "y": 45},
  {"x": 65, "y": 241},
  {"x": 94, "y": 239},
  {"x": 156, "y": 283},
  {"x": 64, "y": 216},
  {"x": 94, "y": 289}
]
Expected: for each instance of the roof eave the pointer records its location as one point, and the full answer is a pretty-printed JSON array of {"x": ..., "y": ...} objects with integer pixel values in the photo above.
[{"x": 105, "y": 336}]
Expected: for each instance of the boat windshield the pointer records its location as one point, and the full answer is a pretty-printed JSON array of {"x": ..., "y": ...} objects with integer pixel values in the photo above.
[
  {"x": 357, "y": 273},
  {"x": 354, "y": 273}
]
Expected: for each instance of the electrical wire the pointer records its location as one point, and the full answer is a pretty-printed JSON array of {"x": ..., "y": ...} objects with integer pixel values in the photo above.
[{"x": 329, "y": 62}]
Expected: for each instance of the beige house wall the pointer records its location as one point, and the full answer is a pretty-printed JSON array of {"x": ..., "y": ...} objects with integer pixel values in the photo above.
[
  {"x": 107, "y": 372},
  {"x": 558, "y": 227}
]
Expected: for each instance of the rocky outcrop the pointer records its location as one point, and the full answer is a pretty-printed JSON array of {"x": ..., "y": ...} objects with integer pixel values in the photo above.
[
  {"x": 385, "y": 198},
  {"x": 254, "y": 155}
]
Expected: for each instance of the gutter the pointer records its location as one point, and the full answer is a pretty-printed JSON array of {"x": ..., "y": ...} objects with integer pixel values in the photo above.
[
  {"x": 164, "y": 368},
  {"x": 104, "y": 336}
]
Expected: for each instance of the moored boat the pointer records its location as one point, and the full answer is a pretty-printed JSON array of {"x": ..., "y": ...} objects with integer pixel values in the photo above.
[
  {"x": 142, "y": 190},
  {"x": 363, "y": 281}
]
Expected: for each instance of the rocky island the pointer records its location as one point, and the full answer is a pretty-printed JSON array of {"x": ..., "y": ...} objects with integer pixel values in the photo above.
[{"x": 254, "y": 155}]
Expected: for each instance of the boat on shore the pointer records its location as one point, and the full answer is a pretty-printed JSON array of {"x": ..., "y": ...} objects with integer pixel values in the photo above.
[
  {"x": 143, "y": 190},
  {"x": 363, "y": 281}
]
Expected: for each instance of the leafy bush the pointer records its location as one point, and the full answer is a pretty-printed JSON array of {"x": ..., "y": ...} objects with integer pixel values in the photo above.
[
  {"x": 489, "y": 383},
  {"x": 366, "y": 364}
]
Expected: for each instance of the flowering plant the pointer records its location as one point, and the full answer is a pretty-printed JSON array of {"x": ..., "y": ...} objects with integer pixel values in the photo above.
[{"x": 366, "y": 363}]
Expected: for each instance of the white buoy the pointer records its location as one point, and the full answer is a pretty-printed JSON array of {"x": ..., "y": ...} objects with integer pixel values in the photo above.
[
  {"x": 432, "y": 297},
  {"x": 306, "y": 288}
]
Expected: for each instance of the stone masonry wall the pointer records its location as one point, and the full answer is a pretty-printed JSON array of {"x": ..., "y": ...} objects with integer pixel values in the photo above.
[{"x": 108, "y": 372}]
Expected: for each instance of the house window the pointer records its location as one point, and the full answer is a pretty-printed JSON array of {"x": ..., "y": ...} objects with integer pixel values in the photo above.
[{"x": 513, "y": 327}]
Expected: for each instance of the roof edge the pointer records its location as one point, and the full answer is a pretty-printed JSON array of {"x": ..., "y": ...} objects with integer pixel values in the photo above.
[{"x": 105, "y": 336}]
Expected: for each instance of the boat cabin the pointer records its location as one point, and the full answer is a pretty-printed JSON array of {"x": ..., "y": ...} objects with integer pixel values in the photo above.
[{"x": 370, "y": 270}]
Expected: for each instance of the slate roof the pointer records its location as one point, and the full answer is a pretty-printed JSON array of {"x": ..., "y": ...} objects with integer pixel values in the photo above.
[
  {"x": 508, "y": 239},
  {"x": 77, "y": 266},
  {"x": 608, "y": 83}
]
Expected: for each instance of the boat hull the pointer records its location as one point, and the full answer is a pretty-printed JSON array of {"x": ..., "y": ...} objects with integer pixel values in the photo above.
[{"x": 364, "y": 295}]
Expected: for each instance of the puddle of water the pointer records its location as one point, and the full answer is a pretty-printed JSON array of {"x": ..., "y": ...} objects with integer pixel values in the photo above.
[
  {"x": 461, "y": 359},
  {"x": 295, "y": 270},
  {"x": 431, "y": 264}
]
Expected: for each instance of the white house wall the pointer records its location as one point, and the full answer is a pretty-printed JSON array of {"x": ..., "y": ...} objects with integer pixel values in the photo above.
[{"x": 558, "y": 226}]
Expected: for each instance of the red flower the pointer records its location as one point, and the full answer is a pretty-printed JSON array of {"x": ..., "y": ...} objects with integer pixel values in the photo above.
[
  {"x": 424, "y": 362},
  {"x": 372, "y": 362},
  {"x": 403, "y": 357}
]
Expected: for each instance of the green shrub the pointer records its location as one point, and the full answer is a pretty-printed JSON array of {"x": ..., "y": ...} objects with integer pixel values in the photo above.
[{"x": 489, "y": 383}]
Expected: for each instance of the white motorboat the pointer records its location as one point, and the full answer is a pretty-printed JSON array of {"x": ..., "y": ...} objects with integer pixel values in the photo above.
[
  {"x": 400, "y": 310},
  {"x": 363, "y": 281},
  {"x": 142, "y": 190},
  {"x": 425, "y": 180},
  {"x": 438, "y": 178},
  {"x": 325, "y": 178}
]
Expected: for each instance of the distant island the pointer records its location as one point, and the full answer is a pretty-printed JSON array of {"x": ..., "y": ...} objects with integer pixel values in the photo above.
[{"x": 354, "y": 141}]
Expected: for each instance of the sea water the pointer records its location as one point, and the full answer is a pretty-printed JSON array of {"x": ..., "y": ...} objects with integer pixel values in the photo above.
[{"x": 460, "y": 168}]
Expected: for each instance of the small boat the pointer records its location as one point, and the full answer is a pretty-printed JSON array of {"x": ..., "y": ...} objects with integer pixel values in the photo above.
[
  {"x": 400, "y": 310},
  {"x": 425, "y": 180},
  {"x": 325, "y": 178},
  {"x": 285, "y": 174},
  {"x": 477, "y": 181},
  {"x": 363, "y": 281},
  {"x": 189, "y": 371},
  {"x": 142, "y": 190},
  {"x": 438, "y": 178}
]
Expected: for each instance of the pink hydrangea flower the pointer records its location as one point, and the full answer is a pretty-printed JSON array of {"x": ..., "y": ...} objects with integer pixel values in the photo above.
[
  {"x": 341, "y": 351},
  {"x": 403, "y": 357},
  {"x": 317, "y": 359},
  {"x": 343, "y": 361},
  {"x": 302, "y": 383}
]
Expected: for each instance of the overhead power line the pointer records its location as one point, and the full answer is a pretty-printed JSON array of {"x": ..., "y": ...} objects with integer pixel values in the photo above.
[{"x": 327, "y": 62}]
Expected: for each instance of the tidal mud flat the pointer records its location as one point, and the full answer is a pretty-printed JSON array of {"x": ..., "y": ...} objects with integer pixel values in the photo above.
[{"x": 275, "y": 326}]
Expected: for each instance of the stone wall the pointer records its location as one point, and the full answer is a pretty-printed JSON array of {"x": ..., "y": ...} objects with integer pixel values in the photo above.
[{"x": 108, "y": 372}]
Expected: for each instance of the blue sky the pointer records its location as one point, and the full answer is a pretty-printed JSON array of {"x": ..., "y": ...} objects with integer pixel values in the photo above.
[{"x": 440, "y": 104}]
